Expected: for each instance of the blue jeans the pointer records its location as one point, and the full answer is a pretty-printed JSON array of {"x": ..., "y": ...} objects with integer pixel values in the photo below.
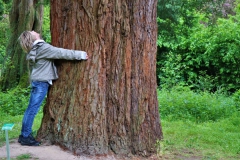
[{"x": 38, "y": 93}]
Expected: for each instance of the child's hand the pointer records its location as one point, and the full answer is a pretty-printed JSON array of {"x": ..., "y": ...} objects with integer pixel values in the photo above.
[{"x": 84, "y": 55}]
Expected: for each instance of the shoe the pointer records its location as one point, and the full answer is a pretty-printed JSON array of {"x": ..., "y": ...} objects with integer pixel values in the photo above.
[
  {"x": 30, "y": 136},
  {"x": 29, "y": 141},
  {"x": 20, "y": 138}
]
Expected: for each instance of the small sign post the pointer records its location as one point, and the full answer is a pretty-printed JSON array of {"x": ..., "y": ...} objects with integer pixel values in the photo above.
[{"x": 7, "y": 127}]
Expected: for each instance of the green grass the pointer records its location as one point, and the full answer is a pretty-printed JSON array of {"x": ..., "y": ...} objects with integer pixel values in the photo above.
[
  {"x": 24, "y": 157},
  {"x": 20, "y": 157},
  {"x": 215, "y": 140},
  {"x": 17, "y": 120},
  {"x": 181, "y": 103},
  {"x": 198, "y": 125},
  {"x": 13, "y": 104}
]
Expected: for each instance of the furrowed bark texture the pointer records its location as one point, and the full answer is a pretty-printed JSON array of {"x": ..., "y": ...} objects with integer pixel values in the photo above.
[
  {"x": 24, "y": 15},
  {"x": 109, "y": 102}
]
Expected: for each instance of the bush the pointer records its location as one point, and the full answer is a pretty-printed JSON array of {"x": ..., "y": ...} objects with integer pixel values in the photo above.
[
  {"x": 207, "y": 58},
  {"x": 180, "y": 103},
  {"x": 236, "y": 98},
  {"x": 14, "y": 102}
]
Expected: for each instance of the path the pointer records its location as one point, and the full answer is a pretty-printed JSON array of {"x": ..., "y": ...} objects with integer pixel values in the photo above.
[{"x": 52, "y": 153}]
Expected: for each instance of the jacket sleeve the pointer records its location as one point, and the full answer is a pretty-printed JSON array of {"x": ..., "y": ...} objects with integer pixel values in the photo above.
[{"x": 50, "y": 52}]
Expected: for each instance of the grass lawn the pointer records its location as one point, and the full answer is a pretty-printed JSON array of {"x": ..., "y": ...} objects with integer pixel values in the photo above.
[
  {"x": 17, "y": 120},
  {"x": 208, "y": 140}
]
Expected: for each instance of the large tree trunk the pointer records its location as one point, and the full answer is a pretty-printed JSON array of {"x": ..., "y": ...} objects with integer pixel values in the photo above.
[
  {"x": 108, "y": 103},
  {"x": 24, "y": 15}
]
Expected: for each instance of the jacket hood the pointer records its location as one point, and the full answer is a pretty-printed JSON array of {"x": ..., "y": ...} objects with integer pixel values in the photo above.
[{"x": 31, "y": 56}]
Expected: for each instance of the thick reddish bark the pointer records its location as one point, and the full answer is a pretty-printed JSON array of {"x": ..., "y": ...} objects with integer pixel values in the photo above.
[{"x": 108, "y": 103}]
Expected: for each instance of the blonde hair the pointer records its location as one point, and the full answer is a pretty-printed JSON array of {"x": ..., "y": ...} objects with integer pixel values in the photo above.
[{"x": 26, "y": 40}]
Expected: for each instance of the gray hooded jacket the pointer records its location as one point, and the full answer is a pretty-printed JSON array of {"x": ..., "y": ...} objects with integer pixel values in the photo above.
[{"x": 41, "y": 58}]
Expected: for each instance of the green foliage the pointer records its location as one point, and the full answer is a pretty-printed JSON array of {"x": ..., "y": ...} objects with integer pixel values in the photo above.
[
  {"x": 14, "y": 102},
  {"x": 181, "y": 103},
  {"x": 203, "y": 57},
  {"x": 171, "y": 70},
  {"x": 46, "y": 32},
  {"x": 214, "y": 51},
  {"x": 24, "y": 81},
  {"x": 176, "y": 16},
  {"x": 8, "y": 5},
  {"x": 1, "y": 9},
  {"x": 5, "y": 6},
  {"x": 236, "y": 98},
  {"x": 4, "y": 36}
]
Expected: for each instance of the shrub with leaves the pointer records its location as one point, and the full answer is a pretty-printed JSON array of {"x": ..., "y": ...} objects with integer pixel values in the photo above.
[
  {"x": 207, "y": 59},
  {"x": 14, "y": 102},
  {"x": 236, "y": 98},
  {"x": 215, "y": 51},
  {"x": 181, "y": 103}
]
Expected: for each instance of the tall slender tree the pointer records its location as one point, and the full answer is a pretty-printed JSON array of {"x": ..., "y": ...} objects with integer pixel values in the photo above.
[
  {"x": 108, "y": 103},
  {"x": 24, "y": 15}
]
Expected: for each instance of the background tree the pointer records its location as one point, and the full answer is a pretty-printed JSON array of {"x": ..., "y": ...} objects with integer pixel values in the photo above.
[
  {"x": 4, "y": 27},
  {"x": 24, "y": 15},
  {"x": 108, "y": 103}
]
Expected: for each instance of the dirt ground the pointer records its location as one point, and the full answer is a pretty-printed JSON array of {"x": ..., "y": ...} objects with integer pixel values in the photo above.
[{"x": 55, "y": 153}]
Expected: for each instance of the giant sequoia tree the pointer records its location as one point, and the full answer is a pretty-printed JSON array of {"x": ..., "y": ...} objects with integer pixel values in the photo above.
[
  {"x": 108, "y": 103},
  {"x": 24, "y": 15}
]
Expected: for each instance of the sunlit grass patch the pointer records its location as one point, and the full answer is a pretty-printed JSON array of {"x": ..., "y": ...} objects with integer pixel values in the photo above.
[
  {"x": 17, "y": 120},
  {"x": 209, "y": 139},
  {"x": 206, "y": 125}
]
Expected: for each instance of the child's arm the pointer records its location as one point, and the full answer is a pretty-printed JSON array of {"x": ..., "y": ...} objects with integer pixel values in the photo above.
[{"x": 50, "y": 52}]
